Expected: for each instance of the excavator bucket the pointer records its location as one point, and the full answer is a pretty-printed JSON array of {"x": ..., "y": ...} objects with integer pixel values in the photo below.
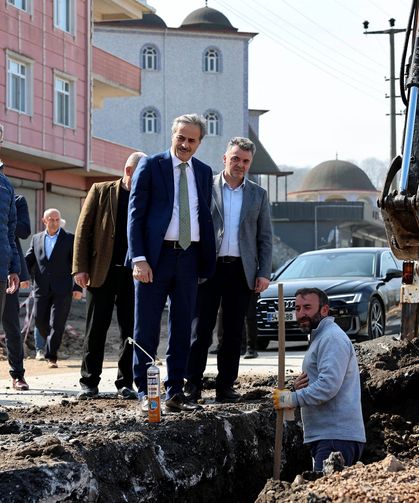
[{"x": 401, "y": 217}]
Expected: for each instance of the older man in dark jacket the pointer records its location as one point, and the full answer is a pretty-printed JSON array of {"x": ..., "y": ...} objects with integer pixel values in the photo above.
[{"x": 100, "y": 248}]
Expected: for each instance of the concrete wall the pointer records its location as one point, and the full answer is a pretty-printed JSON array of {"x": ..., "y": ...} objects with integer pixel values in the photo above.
[{"x": 178, "y": 86}]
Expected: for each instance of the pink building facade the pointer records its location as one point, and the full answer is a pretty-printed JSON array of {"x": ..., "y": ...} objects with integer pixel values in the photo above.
[{"x": 50, "y": 79}]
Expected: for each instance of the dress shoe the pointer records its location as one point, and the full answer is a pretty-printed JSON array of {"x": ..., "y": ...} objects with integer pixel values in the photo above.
[
  {"x": 127, "y": 393},
  {"x": 52, "y": 364},
  {"x": 250, "y": 353},
  {"x": 192, "y": 392},
  {"x": 88, "y": 392},
  {"x": 40, "y": 355},
  {"x": 20, "y": 384},
  {"x": 179, "y": 403},
  {"x": 227, "y": 395}
]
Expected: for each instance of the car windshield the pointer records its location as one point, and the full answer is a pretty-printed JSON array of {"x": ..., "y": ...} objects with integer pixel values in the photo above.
[{"x": 329, "y": 265}]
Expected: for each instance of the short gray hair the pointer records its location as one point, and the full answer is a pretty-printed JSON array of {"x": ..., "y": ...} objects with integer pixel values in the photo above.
[
  {"x": 243, "y": 143},
  {"x": 134, "y": 159},
  {"x": 192, "y": 119}
]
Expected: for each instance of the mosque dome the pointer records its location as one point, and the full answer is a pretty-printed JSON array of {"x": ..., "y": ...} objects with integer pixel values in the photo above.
[
  {"x": 336, "y": 175},
  {"x": 206, "y": 18}
]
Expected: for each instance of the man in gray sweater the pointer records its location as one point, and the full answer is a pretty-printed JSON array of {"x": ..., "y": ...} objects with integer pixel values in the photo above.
[{"x": 328, "y": 390}]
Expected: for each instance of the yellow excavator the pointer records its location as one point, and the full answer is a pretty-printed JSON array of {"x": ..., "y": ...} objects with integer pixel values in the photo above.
[{"x": 400, "y": 206}]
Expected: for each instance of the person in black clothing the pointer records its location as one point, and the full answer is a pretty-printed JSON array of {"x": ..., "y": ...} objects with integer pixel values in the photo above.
[
  {"x": 100, "y": 249},
  {"x": 49, "y": 260},
  {"x": 11, "y": 323}
]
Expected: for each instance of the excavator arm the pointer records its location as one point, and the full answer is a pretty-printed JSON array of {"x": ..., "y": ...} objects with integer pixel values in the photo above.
[{"x": 400, "y": 206}]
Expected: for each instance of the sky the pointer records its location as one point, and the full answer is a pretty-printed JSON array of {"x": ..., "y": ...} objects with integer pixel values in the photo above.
[{"x": 321, "y": 78}]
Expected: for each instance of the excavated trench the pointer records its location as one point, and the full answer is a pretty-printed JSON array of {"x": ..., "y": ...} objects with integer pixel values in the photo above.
[{"x": 104, "y": 451}]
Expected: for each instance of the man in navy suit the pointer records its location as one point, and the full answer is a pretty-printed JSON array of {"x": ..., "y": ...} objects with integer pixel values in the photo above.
[
  {"x": 164, "y": 265},
  {"x": 49, "y": 260}
]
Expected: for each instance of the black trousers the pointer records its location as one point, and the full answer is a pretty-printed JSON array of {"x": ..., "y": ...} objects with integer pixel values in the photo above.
[
  {"x": 227, "y": 287},
  {"x": 117, "y": 290},
  {"x": 14, "y": 338},
  {"x": 51, "y": 313}
]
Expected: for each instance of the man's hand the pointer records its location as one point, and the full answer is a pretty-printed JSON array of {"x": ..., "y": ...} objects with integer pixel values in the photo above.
[
  {"x": 81, "y": 279},
  {"x": 261, "y": 284},
  {"x": 282, "y": 399},
  {"x": 77, "y": 295},
  {"x": 12, "y": 282},
  {"x": 301, "y": 381},
  {"x": 142, "y": 272},
  {"x": 25, "y": 284}
]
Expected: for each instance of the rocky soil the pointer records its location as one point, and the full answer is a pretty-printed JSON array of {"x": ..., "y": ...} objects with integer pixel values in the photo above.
[
  {"x": 390, "y": 468},
  {"x": 104, "y": 451}
]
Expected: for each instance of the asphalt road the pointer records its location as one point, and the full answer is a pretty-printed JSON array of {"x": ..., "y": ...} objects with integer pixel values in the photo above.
[{"x": 49, "y": 386}]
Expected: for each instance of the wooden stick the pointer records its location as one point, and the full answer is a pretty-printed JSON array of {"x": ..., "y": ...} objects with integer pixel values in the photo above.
[{"x": 281, "y": 382}]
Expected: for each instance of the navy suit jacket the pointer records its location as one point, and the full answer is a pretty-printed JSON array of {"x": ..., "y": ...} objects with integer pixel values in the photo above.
[
  {"x": 151, "y": 205},
  {"x": 51, "y": 275}
]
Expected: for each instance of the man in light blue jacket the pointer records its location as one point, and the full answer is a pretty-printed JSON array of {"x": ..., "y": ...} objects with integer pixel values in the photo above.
[{"x": 328, "y": 390}]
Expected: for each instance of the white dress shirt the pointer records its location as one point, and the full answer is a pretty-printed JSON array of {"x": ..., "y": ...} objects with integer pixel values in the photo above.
[
  {"x": 172, "y": 233},
  {"x": 232, "y": 203}
]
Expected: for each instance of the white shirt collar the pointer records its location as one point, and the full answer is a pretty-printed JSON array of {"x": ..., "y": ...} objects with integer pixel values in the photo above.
[{"x": 176, "y": 161}]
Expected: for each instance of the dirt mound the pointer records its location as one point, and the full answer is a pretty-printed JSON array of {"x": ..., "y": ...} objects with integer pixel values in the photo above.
[
  {"x": 103, "y": 450},
  {"x": 390, "y": 470},
  {"x": 389, "y": 480}
]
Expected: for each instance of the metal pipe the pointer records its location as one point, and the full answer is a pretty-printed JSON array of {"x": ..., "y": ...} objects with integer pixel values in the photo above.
[{"x": 408, "y": 139}]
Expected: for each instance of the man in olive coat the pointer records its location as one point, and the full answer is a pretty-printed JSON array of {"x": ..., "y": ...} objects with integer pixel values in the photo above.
[{"x": 100, "y": 248}]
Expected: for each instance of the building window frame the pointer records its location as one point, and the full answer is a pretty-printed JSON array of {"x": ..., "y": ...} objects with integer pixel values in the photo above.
[
  {"x": 212, "y": 62},
  {"x": 23, "y": 5},
  {"x": 64, "y": 15},
  {"x": 213, "y": 122},
  {"x": 64, "y": 100},
  {"x": 150, "y": 58},
  {"x": 19, "y": 83},
  {"x": 150, "y": 121}
]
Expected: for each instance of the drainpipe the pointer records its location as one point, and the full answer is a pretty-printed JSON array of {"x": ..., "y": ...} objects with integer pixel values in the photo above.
[{"x": 89, "y": 83}]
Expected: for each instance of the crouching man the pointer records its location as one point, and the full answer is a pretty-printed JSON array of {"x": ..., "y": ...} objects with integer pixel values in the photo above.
[{"x": 328, "y": 390}]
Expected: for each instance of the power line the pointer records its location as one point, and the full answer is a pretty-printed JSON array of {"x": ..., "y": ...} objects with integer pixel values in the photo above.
[
  {"x": 309, "y": 35},
  {"x": 297, "y": 51},
  {"x": 341, "y": 40}
]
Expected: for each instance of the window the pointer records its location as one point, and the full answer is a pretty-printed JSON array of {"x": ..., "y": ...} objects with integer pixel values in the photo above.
[
  {"x": 149, "y": 121},
  {"x": 149, "y": 56},
  {"x": 212, "y": 63},
  {"x": 213, "y": 124},
  {"x": 18, "y": 85},
  {"x": 63, "y": 15},
  {"x": 20, "y": 4},
  {"x": 387, "y": 263},
  {"x": 64, "y": 102}
]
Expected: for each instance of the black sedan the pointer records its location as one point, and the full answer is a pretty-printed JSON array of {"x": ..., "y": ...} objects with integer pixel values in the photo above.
[{"x": 363, "y": 285}]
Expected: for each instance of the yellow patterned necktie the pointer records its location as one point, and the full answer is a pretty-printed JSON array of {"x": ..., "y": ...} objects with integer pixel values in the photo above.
[{"x": 184, "y": 213}]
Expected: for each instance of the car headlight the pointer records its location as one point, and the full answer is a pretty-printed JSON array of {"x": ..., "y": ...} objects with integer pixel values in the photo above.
[{"x": 349, "y": 298}]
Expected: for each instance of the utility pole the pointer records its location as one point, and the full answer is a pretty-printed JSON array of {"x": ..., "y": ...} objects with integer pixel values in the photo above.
[{"x": 390, "y": 32}]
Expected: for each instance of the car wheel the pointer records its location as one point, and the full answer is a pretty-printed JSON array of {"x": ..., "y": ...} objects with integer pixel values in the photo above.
[
  {"x": 376, "y": 319},
  {"x": 262, "y": 343}
]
